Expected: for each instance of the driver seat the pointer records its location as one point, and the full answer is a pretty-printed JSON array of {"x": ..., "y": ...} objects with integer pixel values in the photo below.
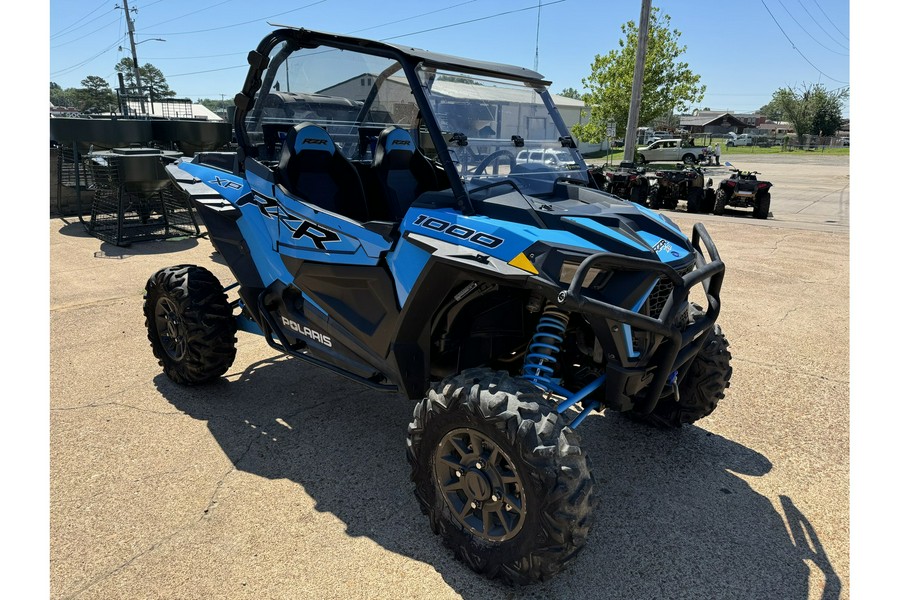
[
  {"x": 401, "y": 170},
  {"x": 313, "y": 169}
]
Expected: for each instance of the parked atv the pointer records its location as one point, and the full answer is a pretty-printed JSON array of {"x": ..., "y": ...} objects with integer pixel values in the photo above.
[
  {"x": 686, "y": 183},
  {"x": 742, "y": 189},
  {"x": 629, "y": 183},
  {"x": 511, "y": 300}
]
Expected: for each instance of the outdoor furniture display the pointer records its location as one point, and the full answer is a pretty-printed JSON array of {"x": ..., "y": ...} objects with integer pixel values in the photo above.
[{"x": 134, "y": 199}]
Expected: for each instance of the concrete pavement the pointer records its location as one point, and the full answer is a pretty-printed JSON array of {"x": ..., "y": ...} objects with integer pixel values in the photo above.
[{"x": 285, "y": 481}]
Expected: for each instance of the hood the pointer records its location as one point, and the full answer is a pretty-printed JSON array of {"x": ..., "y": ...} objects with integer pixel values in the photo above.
[{"x": 605, "y": 223}]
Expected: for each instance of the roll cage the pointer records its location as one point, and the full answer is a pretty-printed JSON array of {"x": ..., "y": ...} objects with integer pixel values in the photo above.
[{"x": 260, "y": 84}]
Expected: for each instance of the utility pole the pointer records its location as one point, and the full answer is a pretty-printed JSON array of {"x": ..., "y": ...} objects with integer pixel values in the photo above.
[
  {"x": 137, "y": 73},
  {"x": 637, "y": 84}
]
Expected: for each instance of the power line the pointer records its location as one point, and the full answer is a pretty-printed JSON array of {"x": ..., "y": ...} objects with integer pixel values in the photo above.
[
  {"x": 425, "y": 14},
  {"x": 794, "y": 46},
  {"x": 830, "y": 21},
  {"x": 65, "y": 30},
  {"x": 68, "y": 70},
  {"x": 808, "y": 33},
  {"x": 241, "y": 23},
  {"x": 391, "y": 37},
  {"x": 822, "y": 28},
  {"x": 414, "y": 16},
  {"x": 189, "y": 14},
  {"x": 102, "y": 27},
  {"x": 508, "y": 12}
]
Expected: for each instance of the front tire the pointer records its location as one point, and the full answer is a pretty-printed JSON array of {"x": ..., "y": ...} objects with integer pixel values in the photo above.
[
  {"x": 721, "y": 201},
  {"x": 500, "y": 477},
  {"x": 190, "y": 324},
  {"x": 700, "y": 389},
  {"x": 688, "y": 159}
]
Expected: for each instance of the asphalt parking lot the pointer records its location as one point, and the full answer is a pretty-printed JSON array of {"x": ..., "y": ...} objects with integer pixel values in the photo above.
[{"x": 284, "y": 481}]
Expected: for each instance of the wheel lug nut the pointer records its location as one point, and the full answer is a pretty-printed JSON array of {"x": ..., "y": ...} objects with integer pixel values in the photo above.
[
  {"x": 508, "y": 507},
  {"x": 479, "y": 465},
  {"x": 475, "y": 504},
  {"x": 495, "y": 497},
  {"x": 459, "y": 473}
]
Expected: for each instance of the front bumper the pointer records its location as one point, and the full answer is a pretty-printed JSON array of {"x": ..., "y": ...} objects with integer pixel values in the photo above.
[{"x": 630, "y": 387}]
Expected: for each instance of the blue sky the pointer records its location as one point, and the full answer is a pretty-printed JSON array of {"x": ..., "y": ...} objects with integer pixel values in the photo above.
[{"x": 743, "y": 50}]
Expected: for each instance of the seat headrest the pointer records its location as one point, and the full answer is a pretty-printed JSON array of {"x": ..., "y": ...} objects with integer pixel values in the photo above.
[
  {"x": 393, "y": 139},
  {"x": 307, "y": 136}
]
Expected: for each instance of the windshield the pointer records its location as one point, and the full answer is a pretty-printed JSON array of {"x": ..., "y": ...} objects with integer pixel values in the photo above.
[
  {"x": 500, "y": 131},
  {"x": 352, "y": 95}
]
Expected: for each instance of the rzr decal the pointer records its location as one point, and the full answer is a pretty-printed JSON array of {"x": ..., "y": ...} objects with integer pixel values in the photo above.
[
  {"x": 319, "y": 235},
  {"x": 458, "y": 231},
  {"x": 662, "y": 245},
  {"x": 263, "y": 203}
]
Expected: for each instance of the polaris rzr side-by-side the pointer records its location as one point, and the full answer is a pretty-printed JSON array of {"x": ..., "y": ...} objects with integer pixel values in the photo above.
[{"x": 384, "y": 220}]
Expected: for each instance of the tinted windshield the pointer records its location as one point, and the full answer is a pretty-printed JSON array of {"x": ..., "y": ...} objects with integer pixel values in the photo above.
[
  {"x": 500, "y": 130},
  {"x": 352, "y": 95}
]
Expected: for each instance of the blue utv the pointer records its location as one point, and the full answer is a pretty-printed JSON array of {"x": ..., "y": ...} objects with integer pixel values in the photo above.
[{"x": 424, "y": 225}]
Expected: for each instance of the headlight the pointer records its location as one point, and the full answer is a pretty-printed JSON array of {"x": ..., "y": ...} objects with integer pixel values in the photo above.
[{"x": 594, "y": 278}]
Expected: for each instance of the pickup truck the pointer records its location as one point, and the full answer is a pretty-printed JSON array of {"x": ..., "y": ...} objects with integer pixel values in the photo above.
[
  {"x": 671, "y": 150},
  {"x": 745, "y": 139}
]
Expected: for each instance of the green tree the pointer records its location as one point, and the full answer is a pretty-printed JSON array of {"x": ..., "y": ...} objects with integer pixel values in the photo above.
[
  {"x": 811, "y": 109},
  {"x": 153, "y": 81},
  {"x": 59, "y": 96},
  {"x": 95, "y": 95},
  {"x": 771, "y": 111},
  {"x": 570, "y": 93},
  {"x": 669, "y": 86}
]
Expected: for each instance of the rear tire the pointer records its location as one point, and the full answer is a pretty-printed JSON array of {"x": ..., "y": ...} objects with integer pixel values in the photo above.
[
  {"x": 641, "y": 160},
  {"x": 688, "y": 159},
  {"x": 694, "y": 200},
  {"x": 721, "y": 201},
  {"x": 653, "y": 197},
  {"x": 486, "y": 438},
  {"x": 761, "y": 210},
  {"x": 189, "y": 323}
]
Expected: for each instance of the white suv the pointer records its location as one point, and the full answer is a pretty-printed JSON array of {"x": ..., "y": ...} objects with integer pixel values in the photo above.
[{"x": 546, "y": 156}]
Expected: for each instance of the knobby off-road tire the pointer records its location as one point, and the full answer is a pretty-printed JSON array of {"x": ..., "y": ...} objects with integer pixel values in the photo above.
[
  {"x": 482, "y": 436},
  {"x": 700, "y": 388},
  {"x": 721, "y": 201},
  {"x": 653, "y": 198},
  {"x": 695, "y": 200},
  {"x": 761, "y": 210},
  {"x": 190, "y": 324}
]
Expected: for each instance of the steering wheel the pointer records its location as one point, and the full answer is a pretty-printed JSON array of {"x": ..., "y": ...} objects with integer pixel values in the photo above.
[{"x": 495, "y": 156}]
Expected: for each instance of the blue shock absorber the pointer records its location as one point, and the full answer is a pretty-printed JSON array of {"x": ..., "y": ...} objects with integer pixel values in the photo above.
[{"x": 540, "y": 359}]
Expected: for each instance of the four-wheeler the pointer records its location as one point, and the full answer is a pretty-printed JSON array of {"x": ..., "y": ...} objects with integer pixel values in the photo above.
[
  {"x": 626, "y": 182},
  {"x": 685, "y": 183},
  {"x": 742, "y": 189},
  {"x": 511, "y": 300}
]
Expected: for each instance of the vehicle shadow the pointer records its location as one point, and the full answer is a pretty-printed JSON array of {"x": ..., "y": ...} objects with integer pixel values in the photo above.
[{"x": 676, "y": 518}]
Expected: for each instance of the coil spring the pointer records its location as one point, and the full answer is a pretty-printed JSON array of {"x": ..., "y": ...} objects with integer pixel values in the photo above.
[{"x": 540, "y": 359}]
